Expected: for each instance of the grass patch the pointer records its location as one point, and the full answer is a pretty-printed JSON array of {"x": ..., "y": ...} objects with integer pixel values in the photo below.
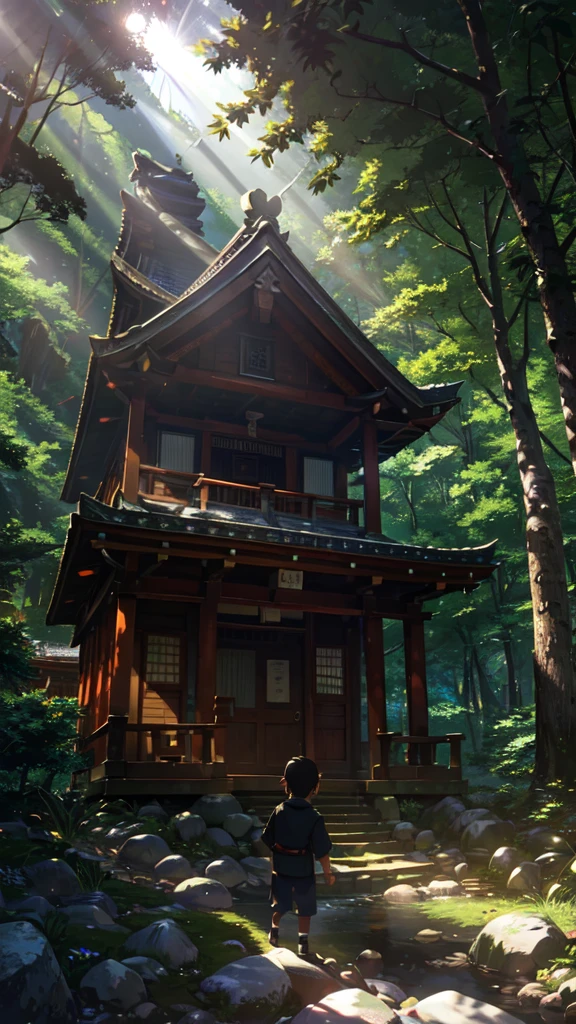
[{"x": 470, "y": 913}]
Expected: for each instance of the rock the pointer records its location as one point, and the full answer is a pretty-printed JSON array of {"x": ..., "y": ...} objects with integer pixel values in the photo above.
[
  {"x": 203, "y": 894},
  {"x": 309, "y": 981},
  {"x": 14, "y": 829},
  {"x": 95, "y": 899},
  {"x": 120, "y": 833},
  {"x": 236, "y": 944},
  {"x": 351, "y": 1005},
  {"x": 387, "y": 807},
  {"x": 32, "y": 904},
  {"x": 445, "y": 862},
  {"x": 404, "y": 831},
  {"x": 197, "y": 1017},
  {"x": 461, "y": 823},
  {"x": 478, "y": 856},
  {"x": 370, "y": 963},
  {"x": 568, "y": 991},
  {"x": 190, "y": 827},
  {"x": 173, "y": 868},
  {"x": 143, "y": 851},
  {"x": 220, "y": 837},
  {"x": 402, "y": 894},
  {"x": 444, "y": 887},
  {"x": 215, "y": 807},
  {"x": 428, "y": 935},
  {"x": 387, "y": 988},
  {"x": 525, "y": 878},
  {"x": 454, "y": 1008},
  {"x": 114, "y": 985},
  {"x": 89, "y": 916},
  {"x": 487, "y": 834},
  {"x": 530, "y": 995},
  {"x": 237, "y": 824},
  {"x": 551, "y": 1008},
  {"x": 461, "y": 871},
  {"x": 144, "y": 1011},
  {"x": 226, "y": 870},
  {"x": 32, "y": 986},
  {"x": 259, "y": 866},
  {"x": 250, "y": 980},
  {"x": 164, "y": 941},
  {"x": 148, "y": 968},
  {"x": 504, "y": 859},
  {"x": 551, "y": 864},
  {"x": 441, "y": 815},
  {"x": 259, "y": 848},
  {"x": 52, "y": 878},
  {"x": 543, "y": 840},
  {"x": 518, "y": 944},
  {"x": 570, "y": 1012},
  {"x": 424, "y": 840},
  {"x": 418, "y": 857},
  {"x": 153, "y": 810}
]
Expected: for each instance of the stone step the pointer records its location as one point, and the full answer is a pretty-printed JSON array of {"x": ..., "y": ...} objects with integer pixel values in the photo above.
[
  {"x": 355, "y": 849},
  {"x": 359, "y": 836},
  {"x": 365, "y": 827}
]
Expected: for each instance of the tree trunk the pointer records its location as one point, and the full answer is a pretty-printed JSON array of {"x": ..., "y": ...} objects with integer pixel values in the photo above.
[
  {"x": 513, "y": 696},
  {"x": 536, "y": 223},
  {"x": 487, "y": 695}
]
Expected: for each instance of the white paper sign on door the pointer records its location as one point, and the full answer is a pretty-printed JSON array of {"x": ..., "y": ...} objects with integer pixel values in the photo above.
[{"x": 278, "y": 681}]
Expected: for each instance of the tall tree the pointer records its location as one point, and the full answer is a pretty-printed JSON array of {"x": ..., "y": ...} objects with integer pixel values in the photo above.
[{"x": 432, "y": 81}]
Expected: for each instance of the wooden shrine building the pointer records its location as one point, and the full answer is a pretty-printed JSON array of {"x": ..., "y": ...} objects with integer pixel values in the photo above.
[{"x": 226, "y": 592}]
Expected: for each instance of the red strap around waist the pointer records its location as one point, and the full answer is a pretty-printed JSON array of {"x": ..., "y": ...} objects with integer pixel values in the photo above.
[{"x": 278, "y": 848}]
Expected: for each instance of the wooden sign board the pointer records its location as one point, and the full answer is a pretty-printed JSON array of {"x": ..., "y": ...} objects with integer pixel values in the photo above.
[
  {"x": 290, "y": 579},
  {"x": 278, "y": 681}
]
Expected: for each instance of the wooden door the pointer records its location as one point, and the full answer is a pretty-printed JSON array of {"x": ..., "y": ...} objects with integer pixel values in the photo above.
[
  {"x": 332, "y": 710},
  {"x": 262, "y": 673}
]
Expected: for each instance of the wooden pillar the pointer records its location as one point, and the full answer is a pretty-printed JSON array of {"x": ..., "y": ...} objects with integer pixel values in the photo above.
[
  {"x": 206, "y": 453},
  {"x": 375, "y": 684},
  {"x": 122, "y": 655},
  {"x": 207, "y": 653},
  {"x": 416, "y": 689},
  {"x": 341, "y": 480},
  {"x": 372, "y": 518},
  {"x": 134, "y": 449},
  {"x": 309, "y": 684}
]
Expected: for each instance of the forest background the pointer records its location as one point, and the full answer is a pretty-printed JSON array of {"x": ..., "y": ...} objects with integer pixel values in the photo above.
[{"x": 408, "y": 288}]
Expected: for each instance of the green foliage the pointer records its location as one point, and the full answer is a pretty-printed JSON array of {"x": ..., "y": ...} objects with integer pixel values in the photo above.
[
  {"x": 66, "y": 814},
  {"x": 510, "y": 752},
  {"x": 36, "y": 732},
  {"x": 15, "y": 653}
]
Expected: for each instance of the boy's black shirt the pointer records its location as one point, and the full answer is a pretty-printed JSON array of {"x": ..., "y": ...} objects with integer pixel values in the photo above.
[{"x": 296, "y": 825}]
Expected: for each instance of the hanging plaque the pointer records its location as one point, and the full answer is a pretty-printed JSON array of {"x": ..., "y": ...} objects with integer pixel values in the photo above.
[
  {"x": 290, "y": 579},
  {"x": 278, "y": 681}
]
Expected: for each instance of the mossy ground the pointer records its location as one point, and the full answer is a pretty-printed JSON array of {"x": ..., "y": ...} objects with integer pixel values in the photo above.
[{"x": 471, "y": 912}]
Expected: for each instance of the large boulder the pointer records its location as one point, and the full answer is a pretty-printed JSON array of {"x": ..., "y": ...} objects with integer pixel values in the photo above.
[
  {"x": 308, "y": 981},
  {"x": 173, "y": 869},
  {"x": 215, "y": 807},
  {"x": 453, "y": 1008},
  {"x": 260, "y": 867},
  {"x": 487, "y": 834},
  {"x": 349, "y": 1006},
  {"x": 403, "y": 893},
  {"x": 50, "y": 878},
  {"x": 14, "y": 829},
  {"x": 203, "y": 894},
  {"x": 148, "y": 968},
  {"x": 237, "y": 824},
  {"x": 190, "y": 827},
  {"x": 467, "y": 817},
  {"x": 387, "y": 988},
  {"x": 153, "y": 810},
  {"x": 441, "y": 815},
  {"x": 567, "y": 991},
  {"x": 226, "y": 870},
  {"x": 32, "y": 986},
  {"x": 504, "y": 859},
  {"x": 31, "y": 905},
  {"x": 424, "y": 840},
  {"x": 220, "y": 837},
  {"x": 87, "y": 915},
  {"x": 544, "y": 840},
  {"x": 444, "y": 887},
  {"x": 143, "y": 851},
  {"x": 518, "y": 944},
  {"x": 113, "y": 984},
  {"x": 95, "y": 899},
  {"x": 552, "y": 864},
  {"x": 369, "y": 962},
  {"x": 404, "y": 832},
  {"x": 251, "y": 980},
  {"x": 164, "y": 941},
  {"x": 387, "y": 807},
  {"x": 525, "y": 878}
]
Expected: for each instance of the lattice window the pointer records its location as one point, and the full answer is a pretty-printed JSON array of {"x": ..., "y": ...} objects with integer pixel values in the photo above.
[
  {"x": 256, "y": 357},
  {"x": 163, "y": 659},
  {"x": 330, "y": 670}
]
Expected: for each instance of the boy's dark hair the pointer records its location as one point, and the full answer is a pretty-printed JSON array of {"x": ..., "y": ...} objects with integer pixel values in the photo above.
[{"x": 301, "y": 776}]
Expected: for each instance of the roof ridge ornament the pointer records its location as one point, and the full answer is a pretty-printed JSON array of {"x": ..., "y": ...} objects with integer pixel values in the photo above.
[{"x": 258, "y": 208}]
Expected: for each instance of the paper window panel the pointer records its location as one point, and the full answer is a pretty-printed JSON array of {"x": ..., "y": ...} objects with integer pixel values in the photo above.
[
  {"x": 319, "y": 476},
  {"x": 177, "y": 451},
  {"x": 236, "y": 677},
  {"x": 330, "y": 670},
  {"x": 163, "y": 659}
]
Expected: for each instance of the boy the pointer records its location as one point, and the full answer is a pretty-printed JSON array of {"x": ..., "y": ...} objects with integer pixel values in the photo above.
[{"x": 297, "y": 835}]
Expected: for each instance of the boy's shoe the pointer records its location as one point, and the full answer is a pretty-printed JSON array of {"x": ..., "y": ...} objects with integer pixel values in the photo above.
[
  {"x": 303, "y": 949},
  {"x": 273, "y": 937}
]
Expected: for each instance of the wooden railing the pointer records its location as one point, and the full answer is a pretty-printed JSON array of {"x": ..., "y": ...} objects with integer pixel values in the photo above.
[
  {"x": 189, "y": 742},
  {"x": 420, "y": 757},
  {"x": 201, "y": 491}
]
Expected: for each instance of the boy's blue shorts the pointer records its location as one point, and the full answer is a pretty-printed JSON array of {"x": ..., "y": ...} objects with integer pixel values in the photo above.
[{"x": 286, "y": 891}]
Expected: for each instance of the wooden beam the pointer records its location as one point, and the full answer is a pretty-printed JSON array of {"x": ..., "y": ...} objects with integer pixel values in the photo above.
[
  {"x": 372, "y": 516},
  {"x": 346, "y": 432},
  {"x": 375, "y": 685},
  {"x": 262, "y": 389},
  {"x": 234, "y": 430},
  {"x": 207, "y": 653},
  {"x": 192, "y": 343},
  {"x": 313, "y": 354},
  {"x": 123, "y": 655},
  {"x": 416, "y": 686},
  {"x": 134, "y": 449}
]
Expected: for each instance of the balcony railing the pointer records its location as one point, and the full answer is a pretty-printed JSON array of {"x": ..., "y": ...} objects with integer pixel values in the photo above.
[
  {"x": 200, "y": 744},
  {"x": 202, "y": 492},
  {"x": 420, "y": 758}
]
